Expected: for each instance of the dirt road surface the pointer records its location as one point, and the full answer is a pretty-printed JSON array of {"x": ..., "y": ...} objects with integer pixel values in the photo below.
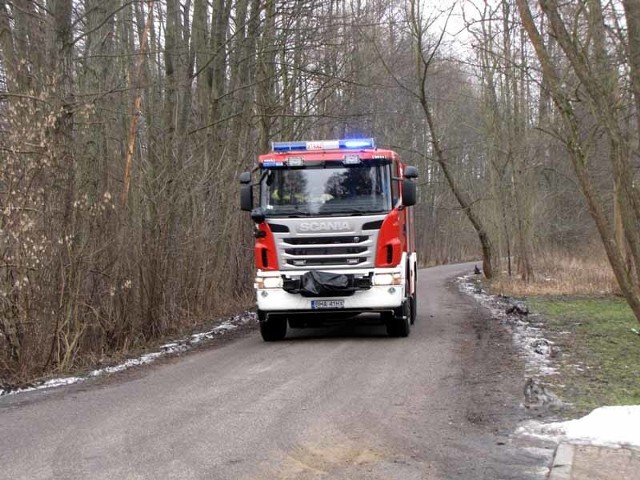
[{"x": 345, "y": 402}]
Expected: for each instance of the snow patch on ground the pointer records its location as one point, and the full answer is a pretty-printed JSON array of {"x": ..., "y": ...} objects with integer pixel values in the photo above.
[
  {"x": 174, "y": 347},
  {"x": 605, "y": 426}
]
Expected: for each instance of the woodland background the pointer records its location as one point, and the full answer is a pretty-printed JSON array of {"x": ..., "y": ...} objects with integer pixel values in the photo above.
[{"x": 124, "y": 125}]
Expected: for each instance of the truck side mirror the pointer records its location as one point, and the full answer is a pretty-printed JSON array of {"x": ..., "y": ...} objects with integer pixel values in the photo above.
[
  {"x": 410, "y": 172},
  {"x": 246, "y": 192},
  {"x": 409, "y": 194},
  {"x": 245, "y": 177}
]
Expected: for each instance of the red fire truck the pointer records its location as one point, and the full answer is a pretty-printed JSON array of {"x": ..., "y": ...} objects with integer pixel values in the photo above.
[{"x": 335, "y": 235}]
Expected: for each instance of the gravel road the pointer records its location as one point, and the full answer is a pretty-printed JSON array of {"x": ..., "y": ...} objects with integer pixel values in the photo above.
[{"x": 345, "y": 402}]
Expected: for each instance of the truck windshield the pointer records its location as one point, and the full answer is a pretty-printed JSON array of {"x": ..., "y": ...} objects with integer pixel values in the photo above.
[{"x": 326, "y": 190}]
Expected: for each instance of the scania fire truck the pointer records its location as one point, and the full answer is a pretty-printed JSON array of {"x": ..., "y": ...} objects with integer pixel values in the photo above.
[{"x": 335, "y": 235}]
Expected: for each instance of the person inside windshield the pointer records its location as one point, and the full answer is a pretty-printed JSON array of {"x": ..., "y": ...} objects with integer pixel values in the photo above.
[
  {"x": 289, "y": 190},
  {"x": 353, "y": 183}
]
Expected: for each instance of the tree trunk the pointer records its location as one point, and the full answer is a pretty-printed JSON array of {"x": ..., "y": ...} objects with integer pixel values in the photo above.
[{"x": 577, "y": 153}]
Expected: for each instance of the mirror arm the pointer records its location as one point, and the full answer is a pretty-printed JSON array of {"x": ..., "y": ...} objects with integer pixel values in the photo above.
[{"x": 262, "y": 177}]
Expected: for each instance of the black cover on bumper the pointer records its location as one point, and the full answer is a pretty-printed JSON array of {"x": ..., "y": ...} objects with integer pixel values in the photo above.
[{"x": 325, "y": 284}]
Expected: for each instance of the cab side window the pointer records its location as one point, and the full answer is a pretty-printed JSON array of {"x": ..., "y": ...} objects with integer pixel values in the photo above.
[{"x": 395, "y": 184}]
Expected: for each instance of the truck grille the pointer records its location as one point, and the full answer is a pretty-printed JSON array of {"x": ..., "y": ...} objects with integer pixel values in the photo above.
[
  {"x": 325, "y": 240},
  {"x": 325, "y": 250},
  {"x": 303, "y": 252}
]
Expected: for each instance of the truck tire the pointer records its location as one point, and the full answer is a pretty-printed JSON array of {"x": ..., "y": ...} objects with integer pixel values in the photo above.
[
  {"x": 272, "y": 327},
  {"x": 414, "y": 308},
  {"x": 414, "y": 297},
  {"x": 399, "y": 322}
]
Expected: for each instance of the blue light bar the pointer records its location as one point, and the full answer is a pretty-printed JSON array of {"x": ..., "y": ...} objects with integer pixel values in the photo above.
[
  {"x": 358, "y": 143},
  {"x": 345, "y": 144}
]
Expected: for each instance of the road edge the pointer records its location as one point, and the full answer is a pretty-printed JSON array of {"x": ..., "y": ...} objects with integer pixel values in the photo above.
[{"x": 562, "y": 462}]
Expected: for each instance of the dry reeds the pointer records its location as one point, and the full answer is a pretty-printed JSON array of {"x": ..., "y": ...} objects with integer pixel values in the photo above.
[{"x": 563, "y": 273}]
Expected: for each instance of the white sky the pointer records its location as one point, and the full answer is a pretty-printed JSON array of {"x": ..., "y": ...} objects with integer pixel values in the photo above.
[{"x": 456, "y": 37}]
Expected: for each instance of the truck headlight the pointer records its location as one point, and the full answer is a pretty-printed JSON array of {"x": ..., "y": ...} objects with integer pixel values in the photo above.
[
  {"x": 387, "y": 279},
  {"x": 267, "y": 282}
]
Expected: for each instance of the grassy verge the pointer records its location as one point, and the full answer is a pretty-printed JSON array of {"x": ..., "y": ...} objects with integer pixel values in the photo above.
[{"x": 597, "y": 354}]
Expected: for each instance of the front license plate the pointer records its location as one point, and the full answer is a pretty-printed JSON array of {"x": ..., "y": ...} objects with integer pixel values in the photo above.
[{"x": 326, "y": 304}]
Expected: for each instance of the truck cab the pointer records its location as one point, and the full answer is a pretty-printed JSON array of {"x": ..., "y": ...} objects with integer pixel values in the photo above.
[{"x": 335, "y": 234}]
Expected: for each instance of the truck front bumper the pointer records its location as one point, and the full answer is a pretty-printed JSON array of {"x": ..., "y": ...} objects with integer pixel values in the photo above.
[{"x": 377, "y": 298}]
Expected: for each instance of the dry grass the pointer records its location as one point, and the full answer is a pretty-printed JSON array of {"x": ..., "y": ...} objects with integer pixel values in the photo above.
[{"x": 563, "y": 274}]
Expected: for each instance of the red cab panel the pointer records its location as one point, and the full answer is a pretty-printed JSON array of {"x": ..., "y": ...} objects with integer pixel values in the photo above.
[{"x": 265, "y": 249}]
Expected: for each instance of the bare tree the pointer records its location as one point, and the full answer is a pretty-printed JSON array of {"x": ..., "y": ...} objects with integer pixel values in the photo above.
[
  {"x": 588, "y": 59},
  {"x": 425, "y": 53}
]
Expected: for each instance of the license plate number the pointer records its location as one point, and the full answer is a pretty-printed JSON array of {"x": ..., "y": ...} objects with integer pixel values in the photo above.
[{"x": 326, "y": 304}]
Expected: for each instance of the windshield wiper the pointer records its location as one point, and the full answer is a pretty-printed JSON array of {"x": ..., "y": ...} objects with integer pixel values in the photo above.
[
  {"x": 297, "y": 212},
  {"x": 356, "y": 211}
]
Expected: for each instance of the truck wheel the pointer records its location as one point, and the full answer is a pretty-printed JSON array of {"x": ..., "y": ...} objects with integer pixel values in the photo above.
[
  {"x": 272, "y": 327},
  {"x": 414, "y": 308},
  {"x": 414, "y": 297},
  {"x": 399, "y": 322}
]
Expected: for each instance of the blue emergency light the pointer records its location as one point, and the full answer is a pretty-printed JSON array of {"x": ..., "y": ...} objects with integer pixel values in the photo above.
[{"x": 345, "y": 144}]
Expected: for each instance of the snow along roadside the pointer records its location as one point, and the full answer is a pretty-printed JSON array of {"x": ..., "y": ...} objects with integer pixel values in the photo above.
[
  {"x": 613, "y": 427},
  {"x": 609, "y": 426},
  {"x": 177, "y": 346},
  {"x": 527, "y": 331}
]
